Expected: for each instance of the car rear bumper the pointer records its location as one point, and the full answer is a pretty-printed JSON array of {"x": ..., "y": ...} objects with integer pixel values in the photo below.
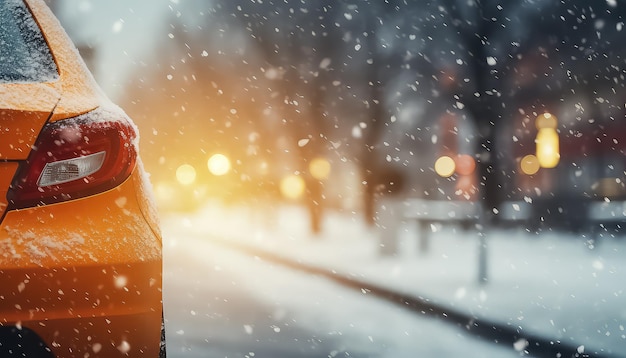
[
  {"x": 94, "y": 311},
  {"x": 110, "y": 336},
  {"x": 84, "y": 276}
]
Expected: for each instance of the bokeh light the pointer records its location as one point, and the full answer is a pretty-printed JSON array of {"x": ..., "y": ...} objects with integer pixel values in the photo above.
[
  {"x": 319, "y": 168},
  {"x": 529, "y": 164},
  {"x": 546, "y": 120},
  {"x": 547, "y": 142},
  {"x": 445, "y": 166},
  {"x": 292, "y": 186},
  {"x": 186, "y": 174},
  {"x": 465, "y": 164},
  {"x": 218, "y": 164}
]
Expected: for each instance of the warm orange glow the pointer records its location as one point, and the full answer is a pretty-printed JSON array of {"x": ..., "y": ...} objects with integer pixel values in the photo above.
[
  {"x": 319, "y": 168},
  {"x": 292, "y": 186},
  {"x": 186, "y": 174},
  {"x": 445, "y": 166},
  {"x": 465, "y": 164},
  {"x": 219, "y": 164},
  {"x": 529, "y": 164}
]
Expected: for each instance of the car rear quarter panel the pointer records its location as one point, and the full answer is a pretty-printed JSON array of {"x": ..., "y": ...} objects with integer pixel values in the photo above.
[{"x": 109, "y": 227}]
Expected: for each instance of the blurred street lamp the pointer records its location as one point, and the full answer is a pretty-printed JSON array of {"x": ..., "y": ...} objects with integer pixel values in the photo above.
[
  {"x": 465, "y": 164},
  {"x": 529, "y": 164},
  {"x": 547, "y": 141},
  {"x": 219, "y": 164},
  {"x": 445, "y": 166},
  {"x": 319, "y": 168},
  {"x": 186, "y": 174},
  {"x": 292, "y": 186}
]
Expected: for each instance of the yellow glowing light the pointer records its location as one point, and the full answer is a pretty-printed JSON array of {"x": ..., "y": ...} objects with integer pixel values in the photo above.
[
  {"x": 546, "y": 120},
  {"x": 186, "y": 174},
  {"x": 529, "y": 164},
  {"x": 465, "y": 164},
  {"x": 292, "y": 186},
  {"x": 219, "y": 164},
  {"x": 445, "y": 166},
  {"x": 547, "y": 142},
  {"x": 319, "y": 168}
]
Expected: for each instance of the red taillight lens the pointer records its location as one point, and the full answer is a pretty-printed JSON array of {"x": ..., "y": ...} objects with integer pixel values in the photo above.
[{"x": 74, "y": 158}]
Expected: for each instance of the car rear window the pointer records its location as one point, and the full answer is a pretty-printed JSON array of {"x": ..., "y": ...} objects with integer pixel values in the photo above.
[{"x": 24, "y": 53}]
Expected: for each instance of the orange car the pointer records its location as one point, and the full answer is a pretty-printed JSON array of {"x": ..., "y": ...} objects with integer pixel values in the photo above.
[{"x": 80, "y": 246}]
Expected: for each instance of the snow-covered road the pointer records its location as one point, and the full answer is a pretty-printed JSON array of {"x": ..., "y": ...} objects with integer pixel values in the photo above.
[
  {"x": 220, "y": 303},
  {"x": 551, "y": 284}
]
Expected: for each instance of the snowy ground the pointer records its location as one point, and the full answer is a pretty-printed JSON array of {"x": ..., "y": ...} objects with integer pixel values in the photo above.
[
  {"x": 223, "y": 303},
  {"x": 549, "y": 284}
]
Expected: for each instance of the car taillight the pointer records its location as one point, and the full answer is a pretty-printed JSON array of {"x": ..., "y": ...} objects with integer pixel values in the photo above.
[{"x": 74, "y": 158}]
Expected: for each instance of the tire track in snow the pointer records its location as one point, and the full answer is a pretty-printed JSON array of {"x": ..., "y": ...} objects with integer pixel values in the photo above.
[{"x": 504, "y": 334}]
